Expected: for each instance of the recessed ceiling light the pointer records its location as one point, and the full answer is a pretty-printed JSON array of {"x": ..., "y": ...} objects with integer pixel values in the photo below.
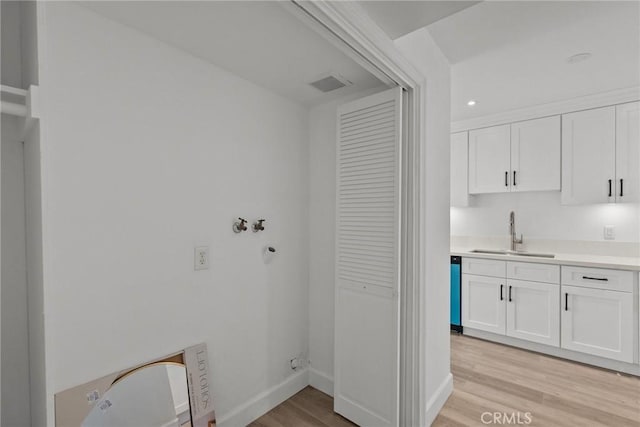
[
  {"x": 579, "y": 57},
  {"x": 471, "y": 103}
]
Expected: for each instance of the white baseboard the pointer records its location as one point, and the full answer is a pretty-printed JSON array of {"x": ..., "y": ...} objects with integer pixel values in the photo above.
[
  {"x": 439, "y": 398},
  {"x": 265, "y": 401},
  {"x": 172, "y": 423},
  {"x": 321, "y": 381},
  {"x": 269, "y": 399},
  {"x": 182, "y": 407}
]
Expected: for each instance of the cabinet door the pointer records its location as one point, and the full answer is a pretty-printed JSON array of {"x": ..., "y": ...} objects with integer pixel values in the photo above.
[
  {"x": 628, "y": 152},
  {"x": 535, "y": 155},
  {"x": 489, "y": 160},
  {"x": 483, "y": 303},
  {"x": 533, "y": 311},
  {"x": 588, "y": 156},
  {"x": 459, "y": 169},
  {"x": 598, "y": 322}
]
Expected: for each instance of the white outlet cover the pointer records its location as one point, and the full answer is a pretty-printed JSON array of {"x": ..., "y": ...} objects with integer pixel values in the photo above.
[
  {"x": 201, "y": 258},
  {"x": 609, "y": 232}
]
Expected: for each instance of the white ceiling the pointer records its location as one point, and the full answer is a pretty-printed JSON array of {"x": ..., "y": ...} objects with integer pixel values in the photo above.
[
  {"x": 397, "y": 18},
  {"x": 504, "y": 54},
  {"x": 258, "y": 41},
  {"x": 513, "y": 54}
]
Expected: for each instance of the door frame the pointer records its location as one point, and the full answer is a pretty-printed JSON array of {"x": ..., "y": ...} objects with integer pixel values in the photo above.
[{"x": 349, "y": 28}]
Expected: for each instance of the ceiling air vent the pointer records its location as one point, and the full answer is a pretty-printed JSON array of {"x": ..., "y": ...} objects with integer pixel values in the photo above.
[{"x": 329, "y": 83}]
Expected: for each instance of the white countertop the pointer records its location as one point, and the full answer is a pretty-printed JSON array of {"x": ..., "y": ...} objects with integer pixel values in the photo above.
[{"x": 585, "y": 260}]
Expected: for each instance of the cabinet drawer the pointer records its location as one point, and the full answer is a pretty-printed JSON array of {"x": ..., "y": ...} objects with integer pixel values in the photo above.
[
  {"x": 533, "y": 272},
  {"x": 598, "y": 278},
  {"x": 484, "y": 267}
]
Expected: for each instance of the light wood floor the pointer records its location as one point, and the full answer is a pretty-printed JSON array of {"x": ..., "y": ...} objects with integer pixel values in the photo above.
[
  {"x": 496, "y": 378},
  {"x": 309, "y": 407},
  {"x": 491, "y": 377}
]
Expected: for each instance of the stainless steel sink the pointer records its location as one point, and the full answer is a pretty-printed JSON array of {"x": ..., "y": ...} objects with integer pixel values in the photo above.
[{"x": 515, "y": 253}]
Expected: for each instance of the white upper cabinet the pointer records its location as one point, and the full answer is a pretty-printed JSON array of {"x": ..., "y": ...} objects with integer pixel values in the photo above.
[
  {"x": 489, "y": 160},
  {"x": 592, "y": 156},
  {"x": 459, "y": 169},
  {"x": 628, "y": 152},
  {"x": 535, "y": 155},
  {"x": 523, "y": 156},
  {"x": 588, "y": 156}
]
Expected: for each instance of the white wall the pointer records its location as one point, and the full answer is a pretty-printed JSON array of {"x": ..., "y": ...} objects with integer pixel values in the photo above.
[
  {"x": 14, "y": 396},
  {"x": 424, "y": 53},
  {"x": 322, "y": 208},
  {"x": 15, "y": 344},
  {"x": 35, "y": 290},
  {"x": 539, "y": 215},
  {"x": 148, "y": 152},
  {"x": 11, "y": 53},
  {"x": 38, "y": 387},
  {"x": 29, "y": 43}
]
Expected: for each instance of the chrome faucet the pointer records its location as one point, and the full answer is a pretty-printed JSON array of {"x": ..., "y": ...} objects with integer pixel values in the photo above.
[
  {"x": 512, "y": 230},
  {"x": 258, "y": 226}
]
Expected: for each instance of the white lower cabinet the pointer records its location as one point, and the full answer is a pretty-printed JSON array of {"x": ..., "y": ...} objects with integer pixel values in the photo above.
[
  {"x": 501, "y": 298},
  {"x": 598, "y": 322},
  {"x": 533, "y": 311},
  {"x": 583, "y": 309},
  {"x": 483, "y": 303},
  {"x": 516, "y": 308}
]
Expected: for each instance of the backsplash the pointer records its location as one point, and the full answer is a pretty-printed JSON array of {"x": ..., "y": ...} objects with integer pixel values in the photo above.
[
  {"x": 541, "y": 218},
  {"x": 615, "y": 249}
]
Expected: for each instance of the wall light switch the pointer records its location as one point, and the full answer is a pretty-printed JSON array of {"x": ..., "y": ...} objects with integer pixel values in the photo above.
[
  {"x": 609, "y": 232},
  {"x": 201, "y": 258}
]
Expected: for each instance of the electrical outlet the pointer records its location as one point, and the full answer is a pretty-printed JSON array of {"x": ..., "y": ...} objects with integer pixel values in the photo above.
[
  {"x": 201, "y": 258},
  {"x": 609, "y": 232}
]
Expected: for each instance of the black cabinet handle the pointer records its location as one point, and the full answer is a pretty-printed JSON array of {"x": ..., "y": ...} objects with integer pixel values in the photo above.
[
  {"x": 510, "y": 293},
  {"x": 501, "y": 295},
  {"x": 621, "y": 192},
  {"x": 506, "y": 178},
  {"x": 566, "y": 301},
  {"x": 514, "y": 178},
  {"x": 601, "y": 279},
  {"x": 609, "y": 188}
]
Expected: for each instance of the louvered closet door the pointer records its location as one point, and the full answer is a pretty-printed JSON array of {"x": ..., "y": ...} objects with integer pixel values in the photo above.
[{"x": 366, "y": 385}]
